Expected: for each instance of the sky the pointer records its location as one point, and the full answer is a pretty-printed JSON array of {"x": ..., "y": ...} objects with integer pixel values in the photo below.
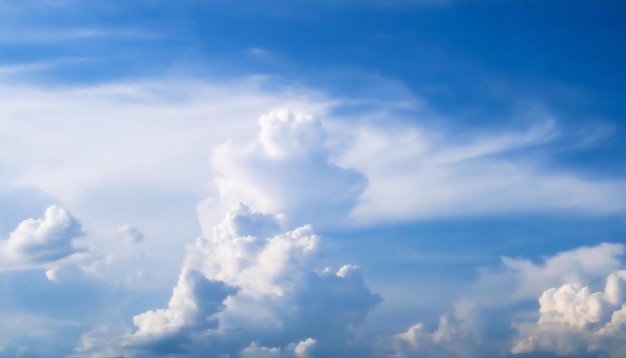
[{"x": 312, "y": 178}]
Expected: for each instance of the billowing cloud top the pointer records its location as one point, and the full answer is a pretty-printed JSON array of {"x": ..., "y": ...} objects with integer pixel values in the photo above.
[
  {"x": 287, "y": 169},
  {"x": 251, "y": 288}
]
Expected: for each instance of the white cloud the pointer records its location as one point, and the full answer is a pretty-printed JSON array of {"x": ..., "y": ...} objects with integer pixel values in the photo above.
[
  {"x": 42, "y": 241},
  {"x": 417, "y": 172},
  {"x": 287, "y": 169},
  {"x": 295, "y": 171},
  {"x": 381, "y": 167},
  {"x": 194, "y": 303},
  {"x": 303, "y": 348},
  {"x": 162, "y": 131},
  {"x": 586, "y": 263},
  {"x": 575, "y": 321},
  {"x": 449, "y": 340},
  {"x": 254, "y": 350},
  {"x": 133, "y": 151},
  {"x": 239, "y": 289},
  {"x": 259, "y": 264}
]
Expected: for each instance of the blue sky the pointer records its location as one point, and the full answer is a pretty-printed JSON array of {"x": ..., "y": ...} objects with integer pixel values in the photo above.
[{"x": 312, "y": 179}]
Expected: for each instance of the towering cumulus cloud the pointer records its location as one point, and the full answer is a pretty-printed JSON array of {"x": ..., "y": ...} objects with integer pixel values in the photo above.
[
  {"x": 287, "y": 169},
  {"x": 253, "y": 285}
]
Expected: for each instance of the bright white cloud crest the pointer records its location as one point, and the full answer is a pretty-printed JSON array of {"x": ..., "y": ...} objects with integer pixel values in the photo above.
[{"x": 287, "y": 169}]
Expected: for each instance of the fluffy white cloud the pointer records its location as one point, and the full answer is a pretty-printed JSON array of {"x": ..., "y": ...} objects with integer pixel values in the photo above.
[
  {"x": 287, "y": 169},
  {"x": 193, "y": 306},
  {"x": 575, "y": 321},
  {"x": 250, "y": 287},
  {"x": 37, "y": 242},
  {"x": 301, "y": 169},
  {"x": 266, "y": 263}
]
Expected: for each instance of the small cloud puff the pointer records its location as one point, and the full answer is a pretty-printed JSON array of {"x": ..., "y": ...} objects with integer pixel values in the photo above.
[
  {"x": 37, "y": 242},
  {"x": 130, "y": 234}
]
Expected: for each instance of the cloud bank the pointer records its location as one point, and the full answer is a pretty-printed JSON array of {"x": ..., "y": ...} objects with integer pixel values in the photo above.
[
  {"x": 251, "y": 288},
  {"x": 256, "y": 282},
  {"x": 490, "y": 319}
]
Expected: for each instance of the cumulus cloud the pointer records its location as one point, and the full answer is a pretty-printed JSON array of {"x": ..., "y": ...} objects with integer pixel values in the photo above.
[
  {"x": 252, "y": 288},
  {"x": 300, "y": 350},
  {"x": 488, "y": 318},
  {"x": 575, "y": 321},
  {"x": 37, "y": 242},
  {"x": 268, "y": 289},
  {"x": 530, "y": 279},
  {"x": 287, "y": 169},
  {"x": 191, "y": 310},
  {"x": 130, "y": 233}
]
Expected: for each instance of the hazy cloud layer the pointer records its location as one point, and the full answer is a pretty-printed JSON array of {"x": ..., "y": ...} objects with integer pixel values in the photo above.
[{"x": 287, "y": 170}]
